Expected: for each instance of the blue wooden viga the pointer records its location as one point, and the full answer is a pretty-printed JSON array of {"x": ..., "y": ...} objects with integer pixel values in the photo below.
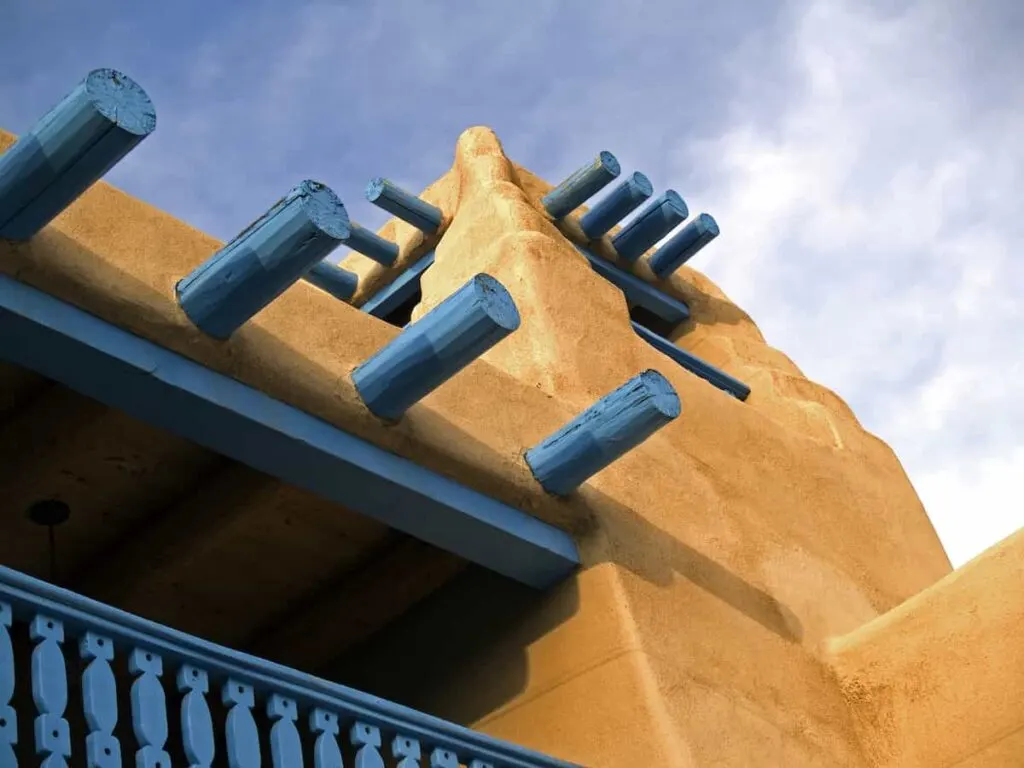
[
  {"x": 404, "y": 205},
  {"x": 651, "y": 224},
  {"x": 220, "y": 295},
  {"x": 607, "y": 430},
  {"x": 617, "y": 205},
  {"x": 683, "y": 245},
  {"x": 338, "y": 282},
  {"x": 69, "y": 148},
  {"x": 581, "y": 186},
  {"x": 436, "y": 347},
  {"x": 264, "y": 708}
]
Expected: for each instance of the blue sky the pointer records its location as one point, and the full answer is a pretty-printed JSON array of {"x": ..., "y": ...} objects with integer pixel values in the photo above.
[{"x": 864, "y": 159}]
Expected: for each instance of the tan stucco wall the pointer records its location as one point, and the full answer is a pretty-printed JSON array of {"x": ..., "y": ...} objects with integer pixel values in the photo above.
[{"x": 718, "y": 557}]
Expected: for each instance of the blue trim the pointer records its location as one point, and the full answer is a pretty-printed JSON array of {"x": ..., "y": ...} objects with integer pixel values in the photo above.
[
  {"x": 405, "y": 205},
  {"x": 79, "y": 615},
  {"x": 400, "y": 290},
  {"x": 338, "y": 282},
  {"x": 581, "y": 186},
  {"x": 638, "y": 292},
  {"x": 683, "y": 245},
  {"x": 650, "y": 225},
  {"x": 606, "y": 431},
  {"x": 372, "y": 245},
  {"x": 695, "y": 365},
  {"x": 617, "y": 205},
  {"x": 436, "y": 347},
  {"x": 169, "y": 391}
]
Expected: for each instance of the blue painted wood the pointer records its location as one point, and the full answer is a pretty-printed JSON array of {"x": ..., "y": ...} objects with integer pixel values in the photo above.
[
  {"x": 338, "y": 282},
  {"x": 8, "y": 717},
  {"x": 74, "y": 144},
  {"x": 50, "y": 690},
  {"x": 326, "y": 750},
  {"x": 264, "y": 260},
  {"x": 242, "y": 735},
  {"x": 149, "y": 709},
  {"x": 443, "y": 758},
  {"x": 406, "y": 751},
  {"x": 371, "y": 244},
  {"x": 285, "y": 745},
  {"x": 706, "y": 371},
  {"x": 436, "y": 347},
  {"x": 605, "y": 431},
  {"x": 683, "y": 245},
  {"x": 581, "y": 186},
  {"x": 638, "y": 292},
  {"x": 405, "y": 205},
  {"x": 400, "y": 290},
  {"x": 28, "y": 596},
  {"x": 197, "y": 735},
  {"x": 99, "y": 701},
  {"x": 367, "y": 740},
  {"x": 650, "y": 225},
  {"x": 617, "y": 205},
  {"x": 479, "y": 764},
  {"x": 171, "y": 392}
]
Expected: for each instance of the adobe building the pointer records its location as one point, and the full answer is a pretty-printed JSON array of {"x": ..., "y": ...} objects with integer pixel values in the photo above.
[{"x": 508, "y": 486}]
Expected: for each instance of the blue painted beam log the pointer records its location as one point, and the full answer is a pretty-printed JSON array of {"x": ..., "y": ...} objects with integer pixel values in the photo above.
[
  {"x": 400, "y": 290},
  {"x": 406, "y": 206},
  {"x": 638, "y": 292},
  {"x": 436, "y": 347},
  {"x": 70, "y": 148},
  {"x": 620, "y": 202},
  {"x": 171, "y": 392},
  {"x": 331, "y": 278},
  {"x": 653, "y": 223},
  {"x": 581, "y": 186},
  {"x": 694, "y": 364},
  {"x": 683, "y": 245},
  {"x": 221, "y": 294},
  {"x": 607, "y": 430},
  {"x": 372, "y": 245}
]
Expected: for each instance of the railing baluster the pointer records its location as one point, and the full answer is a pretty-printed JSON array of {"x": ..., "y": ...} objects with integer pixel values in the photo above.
[
  {"x": 243, "y": 738},
  {"x": 367, "y": 739},
  {"x": 99, "y": 702},
  {"x": 326, "y": 752},
  {"x": 408, "y": 750},
  {"x": 50, "y": 692},
  {"x": 149, "y": 709},
  {"x": 8, "y": 717},
  {"x": 443, "y": 758},
  {"x": 196, "y": 721},
  {"x": 285, "y": 746}
]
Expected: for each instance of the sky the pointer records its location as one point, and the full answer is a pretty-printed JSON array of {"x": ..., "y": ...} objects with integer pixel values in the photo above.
[{"x": 864, "y": 159}]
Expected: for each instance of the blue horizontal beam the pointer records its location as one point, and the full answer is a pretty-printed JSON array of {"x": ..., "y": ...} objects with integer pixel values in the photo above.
[
  {"x": 695, "y": 365},
  {"x": 436, "y": 347},
  {"x": 272, "y": 253},
  {"x": 606, "y": 431},
  {"x": 651, "y": 224},
  {"x": 683, "y": 245},
  {"x": 72, "y": 146},
  {"x": 617, "y": 205},
  {"x": 400, "y": 290},
  {"x": 338, "y": 282},
  {"x": 153, "y": 384},
  {"x": 638, "y": 292},
  {"x": 405, "y": 205},
  {"x": 581, "y": 186}
]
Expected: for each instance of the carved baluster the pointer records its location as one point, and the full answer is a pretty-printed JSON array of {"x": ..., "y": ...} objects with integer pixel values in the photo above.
[
  {"x": 326, "y": 752},
  {"x": 196, "y": 721},
  {"x": 285, "y": 747},
  {"x": 50, "y": 692},
  {"x": 149, "y": 709},
  {"x": 408, "y": 750},
  {"x": 243, "y": 738},
  {"x": 8, "y": 717},
  {"x": 99, "y": 702},
  {"x": 367, "y": 739},
  {"x": 443, "y": 758}
]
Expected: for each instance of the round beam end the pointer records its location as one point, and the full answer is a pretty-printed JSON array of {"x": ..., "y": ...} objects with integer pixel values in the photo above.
[
  {"x": 662, "y": 394},
  {"x": 495, "y": 300},
  {"x": 324, "y": 209},
  {"x": 121, "y": 100},
  {"x": 609, "y": 162}
]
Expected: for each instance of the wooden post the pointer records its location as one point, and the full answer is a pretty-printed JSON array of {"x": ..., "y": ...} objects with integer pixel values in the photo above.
[
  {"x": 261, "y": 262},
  {"x": 581, "y": 186},
  {"x": 683, "y": 245},
  {"x": 406, "y": 206},
  {"x": 604, "y": 432},
  {"x": 331, "y": 278},
  {"x": 436, "y": 347},
  {"x": 619, "y": 203},
  {"x": 371, "y": 244},
  {"x": 69, "y": 148},
  {"x": 653, "y": 223}
]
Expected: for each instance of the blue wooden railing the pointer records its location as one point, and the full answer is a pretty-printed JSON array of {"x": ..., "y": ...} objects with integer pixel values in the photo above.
[{"x": 231, "y": 709}]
